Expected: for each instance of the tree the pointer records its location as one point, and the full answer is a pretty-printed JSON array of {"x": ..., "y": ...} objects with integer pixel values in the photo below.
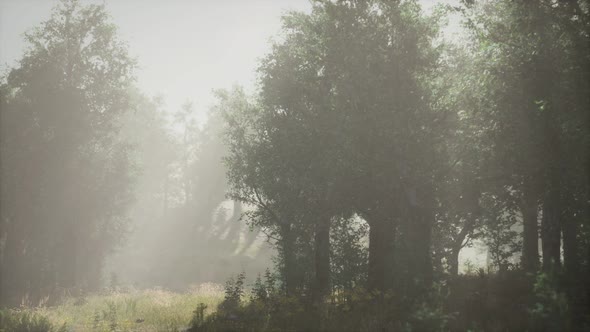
[
  {"x": 67, "y": 171},
  {"x": 535, "y": 75},
  {"x": 379, "y": 57},
  {"x": 256, "y": 178},
  {"x": 344, "y": 121}
]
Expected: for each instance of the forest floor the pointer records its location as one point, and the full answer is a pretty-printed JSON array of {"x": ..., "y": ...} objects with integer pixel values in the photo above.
[{"x": 133, "y": 310}]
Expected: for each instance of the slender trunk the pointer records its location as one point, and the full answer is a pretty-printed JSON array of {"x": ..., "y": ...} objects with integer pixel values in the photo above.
[
  {"x": 288, "y": 251},
  {"x": 322, "y": 259},
  {"x": 471, "y": 197},
  {"x": 552, "y": 202},
  {"x": 571, "y": 255},
  {"x": 571, "y": 259},
  {"x": 466, "y": 231},
  {"x": 381, "y": 247},
  {"x": 530, "y": 232},
  {"x": 537, "y": 88},
  {"x": 550, "y": 232},
  {"x": 454, "y": 261}
]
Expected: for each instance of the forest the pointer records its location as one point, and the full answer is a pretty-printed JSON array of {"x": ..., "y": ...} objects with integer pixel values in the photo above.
[{"x": 395, "y": 168}]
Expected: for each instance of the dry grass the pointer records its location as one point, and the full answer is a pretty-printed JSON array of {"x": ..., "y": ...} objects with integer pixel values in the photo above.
[{"x": 145, "y": 310}]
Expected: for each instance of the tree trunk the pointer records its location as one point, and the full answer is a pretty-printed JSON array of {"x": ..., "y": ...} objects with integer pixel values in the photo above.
[
  {"x": 322, "y": 259},
  {"x": 530, "y": 232},
  {"x": 471, "y": 197},
  {"x": 288, "y": 253},
  {"x": 454, "y": 261},
  {"x": 466, "y": 231},
  {"x": 418, "y": 240},
  {"x": 550, "y": 232},
  {"x": 571, "y": 260},
  {"x": 381, "y": 248}
]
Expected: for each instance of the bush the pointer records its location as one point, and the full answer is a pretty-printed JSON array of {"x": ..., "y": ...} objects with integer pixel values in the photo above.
[
  {"x": 270, "y": 310},
  {"x": 490, "y": 301},
  {"x": 550, "y": 311},
  {"x": 503, "y": 301}
]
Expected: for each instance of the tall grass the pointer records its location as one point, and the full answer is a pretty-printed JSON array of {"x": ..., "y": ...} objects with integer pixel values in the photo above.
[{"x": 145, "y": 310}]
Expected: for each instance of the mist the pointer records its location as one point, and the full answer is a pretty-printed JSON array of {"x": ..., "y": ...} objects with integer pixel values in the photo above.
[{"x": 362, "y": 165}]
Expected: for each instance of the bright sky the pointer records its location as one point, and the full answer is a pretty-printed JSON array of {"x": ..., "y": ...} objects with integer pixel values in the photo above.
[{"x": 185, "y": 48}]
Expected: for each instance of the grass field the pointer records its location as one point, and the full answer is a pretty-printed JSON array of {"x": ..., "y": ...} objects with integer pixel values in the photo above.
[{"x": 145, "y": 310}]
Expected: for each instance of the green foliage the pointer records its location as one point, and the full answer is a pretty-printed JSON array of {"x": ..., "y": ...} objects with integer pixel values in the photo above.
[
  {"x": 428, "y": 318},
  {"x": 499, "y": 232},
  {"x": 347, "y": 310},
  {"x": 234, "y": 290},
  {"x": 259, "y": 291},
  {"x": 550, "y": 309},
  {"x": 349, "y": 254}
]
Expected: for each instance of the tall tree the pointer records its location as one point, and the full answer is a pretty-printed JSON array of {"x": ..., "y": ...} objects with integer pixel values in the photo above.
[
  {"x": 345, "y": 120},
  {"x": 68, "y": 172}
]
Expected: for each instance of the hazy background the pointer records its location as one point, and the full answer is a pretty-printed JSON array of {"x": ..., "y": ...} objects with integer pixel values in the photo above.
[{"x": 185, "y": 50}]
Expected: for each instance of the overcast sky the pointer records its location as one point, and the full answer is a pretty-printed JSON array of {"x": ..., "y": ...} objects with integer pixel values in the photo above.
[{"x": 185, "y": 48}]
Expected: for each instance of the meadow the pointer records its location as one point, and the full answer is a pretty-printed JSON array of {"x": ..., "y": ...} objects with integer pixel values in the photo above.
[{"x": 121, "y": 310}]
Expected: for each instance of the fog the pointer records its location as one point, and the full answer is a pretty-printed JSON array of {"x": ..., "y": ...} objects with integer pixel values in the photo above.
[
  {"x": 184, "y": 51},
  {"x": 294, "y": 165}
]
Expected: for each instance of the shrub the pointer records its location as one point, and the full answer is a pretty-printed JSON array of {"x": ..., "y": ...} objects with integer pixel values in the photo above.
[
  {"x": 489, "y": 301},
  {"x": 550, "y": 310},
  {"x": 234, "y": 290}
]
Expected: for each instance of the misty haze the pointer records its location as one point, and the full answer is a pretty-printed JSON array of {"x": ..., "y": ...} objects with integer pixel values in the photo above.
[{"x": 294, "y": 165}]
